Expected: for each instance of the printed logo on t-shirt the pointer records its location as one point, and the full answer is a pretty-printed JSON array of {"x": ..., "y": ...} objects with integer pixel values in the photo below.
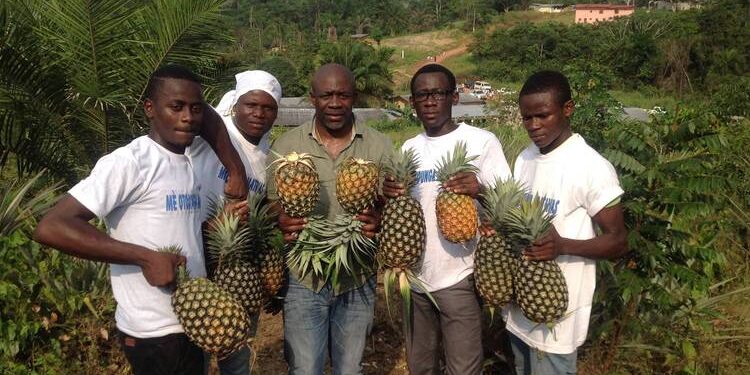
[
  {"x": 252, "y": 184},
  {"x": 182, "y": 202},
  {"x": 550, "y": 204},
  {"x": 427, "y": 175}
]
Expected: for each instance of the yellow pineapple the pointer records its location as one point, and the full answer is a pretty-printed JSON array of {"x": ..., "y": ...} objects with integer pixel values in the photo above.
[
  {"x": 297, "y": 184},
  {"x": 356, "y": 185},
  {"x": 456, "y": 213}
]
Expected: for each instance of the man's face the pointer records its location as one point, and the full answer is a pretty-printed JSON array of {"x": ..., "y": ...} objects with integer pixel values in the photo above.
[
  {"x": 254, "y": 114},
  {"x": 433, "y": 99},
  {"x": 333, "y": 96},
  {"x": 547, "y": 123},
  {"x": 175, "y": 113}
]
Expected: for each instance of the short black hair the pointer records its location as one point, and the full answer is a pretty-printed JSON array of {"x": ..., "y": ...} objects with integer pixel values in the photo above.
[
  {"x": 547, "y": 81},
  {"x": 434, "y": 68},
  {"x": 165, "y": 72}
]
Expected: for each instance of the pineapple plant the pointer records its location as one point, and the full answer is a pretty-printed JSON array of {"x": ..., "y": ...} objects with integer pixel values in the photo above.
[
  {"x": 540, "y": 287},
  {"x": 264, "y": 254},
  {"x": 212, "y": 318},
  {"x": 227, "y": 245},
  {"x": 297, "y": 183},
  {"x": 402, "y": 235},
  {"x": 456, "y": 213},
  {"x": 356, "y": 184},
  {"x": 494, "y": 261}
]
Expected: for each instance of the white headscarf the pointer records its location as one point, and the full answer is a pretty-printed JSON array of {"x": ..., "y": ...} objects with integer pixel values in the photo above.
[{"x": 247, "y": 81}]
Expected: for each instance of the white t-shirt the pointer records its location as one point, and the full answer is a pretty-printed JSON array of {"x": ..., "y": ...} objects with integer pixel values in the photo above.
[
  {"x": 577, "y": 183},
  {"x": 445, "y": 263},
  {"x": 213, "y": 174},
  {"x": 147, "y": 196}
]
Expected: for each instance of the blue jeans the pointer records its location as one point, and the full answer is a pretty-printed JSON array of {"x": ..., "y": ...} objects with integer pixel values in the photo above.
[
  {"x": 317, "y": 323},
  {"x": 531, "y": 361}
]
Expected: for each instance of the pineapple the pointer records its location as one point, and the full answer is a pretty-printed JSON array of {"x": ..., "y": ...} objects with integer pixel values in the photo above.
[
  {"x": 494, "y": 262},
  {"x": 541, "y": 290},
  {"x": 227, "y": 256},
  {"x": 456, "y": 213},
  {"x": 211, "y": 317},
  {"x": 297, "y": 184},
  {"x": 265, "y": 255},
  {"x": 356, "y": 185},
  {"x": 402, "y": 236}
]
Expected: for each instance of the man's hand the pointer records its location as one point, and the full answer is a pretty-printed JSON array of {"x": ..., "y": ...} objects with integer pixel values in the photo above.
[
  {"x": 237, "y": 207},
  {"x": 486, "y": 230},
  {"x": 464, "y": 183},
  {"x": 547, "y": 247},
  {"x": 236, "y": 186},
  {"x": 370, "y": 219},
  {"x": 290, "y": 226},
  {"x": 391, "y": 188},
  {"x": 159, "y": 268}
]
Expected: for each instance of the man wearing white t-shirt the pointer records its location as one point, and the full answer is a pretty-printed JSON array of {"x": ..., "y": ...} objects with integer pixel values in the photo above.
[
  {"x": 148, "y": 196},
  {"x": 249, "y": 112},
  {"x": 447, "y": 268},
  {"x": 582, "y": 190}
]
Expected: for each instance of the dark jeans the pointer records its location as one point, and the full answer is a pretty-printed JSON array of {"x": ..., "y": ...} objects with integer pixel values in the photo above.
[
  {"x": 172, "y": 354},
  {"x": 456, "y": 328}
]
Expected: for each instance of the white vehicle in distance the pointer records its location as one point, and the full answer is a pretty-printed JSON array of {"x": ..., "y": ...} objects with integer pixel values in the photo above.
[{"x": 483, "y": 86}]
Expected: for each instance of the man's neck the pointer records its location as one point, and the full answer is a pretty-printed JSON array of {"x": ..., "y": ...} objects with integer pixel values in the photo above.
[
  {"x": 334, "y": 141},
  {"x": 447, "y": 127}
]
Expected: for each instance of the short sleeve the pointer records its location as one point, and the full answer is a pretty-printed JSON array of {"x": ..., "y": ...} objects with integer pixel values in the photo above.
[
  {"x": 114, "y": 182},
  {"x": 492, "y": 163},
  {"x": 600, "y": 188}
]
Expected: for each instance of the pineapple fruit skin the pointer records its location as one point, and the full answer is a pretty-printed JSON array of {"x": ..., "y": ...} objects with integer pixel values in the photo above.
[
  {"x": 211, "y": 317},
  {"x": 298, "y": 187},
  {"x": 541, "y": 290},
  {"x": 356, "y": 185},
  {"x": 243, "y": 281},
  {"x": 272, "y": 267},
  {"x": 456, "y": 216},
  {"x": 402, "y": 235},
  {"x": 494, "y": 269}
]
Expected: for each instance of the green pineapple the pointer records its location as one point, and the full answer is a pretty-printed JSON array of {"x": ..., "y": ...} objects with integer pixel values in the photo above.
[
  {"x": 402, "y": 234},
  {"x": 541, "y": 290},
  {"x": 227, "y": 257},
  {"x": 264, "y": 254},
  {"x": 212, "y": 318},
  {"x": 494, "y": 262}
]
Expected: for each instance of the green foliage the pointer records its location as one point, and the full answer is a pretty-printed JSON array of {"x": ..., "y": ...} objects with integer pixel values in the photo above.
[
  {"x": 55, "y": 312},
  {"x": 683, "y": 52},
  {"x": 73, "y": 73}
]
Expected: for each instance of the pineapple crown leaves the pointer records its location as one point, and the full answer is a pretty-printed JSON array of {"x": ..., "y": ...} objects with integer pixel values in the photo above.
[
  {"x": 292, "y": 158},
  {"x": 226, "y": 239},
  {"x": 499, "y": 200},
  {"x": 260, "y": 222},
  {"x": 455, "y": 162},
  {"x": 403, "y": 167},
  {"x": 528, "y": 221}
]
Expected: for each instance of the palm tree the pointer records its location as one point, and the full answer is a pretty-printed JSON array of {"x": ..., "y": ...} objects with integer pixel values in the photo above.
[{"x": 73, "y": 73}]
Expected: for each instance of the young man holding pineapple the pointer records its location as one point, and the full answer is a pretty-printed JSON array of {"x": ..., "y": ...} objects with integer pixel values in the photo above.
[
  {"x": 148, "y": 197},
  {"x": 580, "y": 188},
  {"x": 318, "y": 315},
  {"x": 456, "y": 162},
  {"x": 248, "y": 112}
]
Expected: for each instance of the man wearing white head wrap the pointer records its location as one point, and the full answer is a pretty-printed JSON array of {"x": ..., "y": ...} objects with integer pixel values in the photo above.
[{"x": 249, "y": 112}]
